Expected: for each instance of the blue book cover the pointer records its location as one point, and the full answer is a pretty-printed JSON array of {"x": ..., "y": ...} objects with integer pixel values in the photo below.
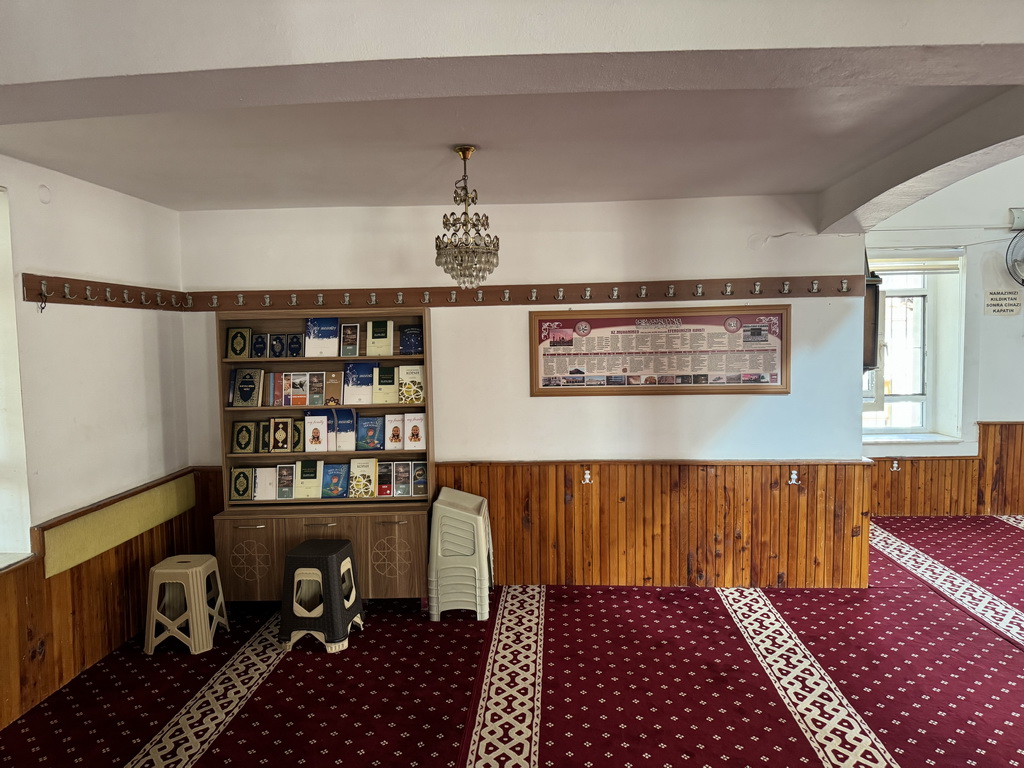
[
  {"x": 369, "y": 433},
  {"x": 295, "y": 342},
  {"x": 322, "y": 337},
  {"x": 335, "y": 485},
  {"x": 260, "y": 345},
  {"x": 359, "y": 383},
  {"x": 410, "y": 339},
  {"x": 278, "y": 345},
  {"x": 345, "y": 429}
]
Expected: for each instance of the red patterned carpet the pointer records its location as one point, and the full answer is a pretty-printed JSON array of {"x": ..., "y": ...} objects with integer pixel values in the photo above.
[{"x": 924, "y": 668}]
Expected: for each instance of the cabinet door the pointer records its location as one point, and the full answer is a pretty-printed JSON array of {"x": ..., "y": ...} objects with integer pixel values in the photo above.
[
  {"x": 249, "y": 558},
  {"x": 396, "y": 554}
]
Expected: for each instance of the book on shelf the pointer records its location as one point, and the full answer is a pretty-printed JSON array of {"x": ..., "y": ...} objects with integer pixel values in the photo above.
[
  {"x": 332, "y": 429},
  {"x": 268, "y": 389},
  {"x": 280, "y": 434},
  {"x": 359, "y": 383},
  {"x": 394, "y": 432},
  {"x": 300, "y": 388},
  {"x": 401, "y": 478},
  {"x": 345, "y": 428},
  {"x": 335, "y": 484},
  {"x": 286, "y": 389},
  {"x": 264, "y": 486},
  {"x": 239, "y": 340},
  {"x": 369, "y": 432},
  {"x": 380, "y": 338},
  {"x": 362, "y": 480},
  {"x": 419, "y": 478},
  {"x": 411, "y": 385},
  {"x": 384, "y": 471},
  {"x": 243, "y": 437},
  {"x": 316, "y": 431},
  {"x": 278, "y": 345},
  {"x": 350, "y": 340},
  {"x": 278, "y": 389},
  {"x": 241, "y": 484},
  {"x": 231, "y": 387},
  {"x": 248, "y": 388},
  {"x": 415, "y": 431},
  {"x": 298, "y": 435},
  {"x": 410, "y": 339},
  {"x": 321, "y": 337},
  {"x": 316, "y": 387},
  {"x": 263, "y": 436},
  {"x": 285, "y": 481},
  {"x": 334, "y": 381},
  {"x": 295, "y": 343},
  {"x": 309, "y": 478},
  {"x": 385, "y": 384},
  {"x": 260, "y": 345}
]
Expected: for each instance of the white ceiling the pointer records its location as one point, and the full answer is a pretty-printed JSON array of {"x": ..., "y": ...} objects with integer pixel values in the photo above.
[{"x": 544, "y": 148}]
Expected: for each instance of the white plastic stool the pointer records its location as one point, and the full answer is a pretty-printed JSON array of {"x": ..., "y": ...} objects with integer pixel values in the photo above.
[
  {"x": 186, "y": 601},
  {"x": 461, "y": 565}
]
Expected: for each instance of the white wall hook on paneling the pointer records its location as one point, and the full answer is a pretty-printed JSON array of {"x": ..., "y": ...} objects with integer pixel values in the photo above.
[
  {"x": 895, "y": 466},
  {"x": 794, "y": 478},
  {"x": 586, "y": 477}
]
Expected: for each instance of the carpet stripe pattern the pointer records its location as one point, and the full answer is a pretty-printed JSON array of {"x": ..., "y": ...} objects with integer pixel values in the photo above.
[
  {"x": 505, "y": 732},
  {"x": 831, "y": 724},
  {"x": 965, "y": 593},
  {"x": 187, "y": 736}
]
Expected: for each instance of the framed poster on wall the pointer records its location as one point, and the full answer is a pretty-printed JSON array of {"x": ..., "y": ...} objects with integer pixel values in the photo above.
[{"x": 676, "y": 351}]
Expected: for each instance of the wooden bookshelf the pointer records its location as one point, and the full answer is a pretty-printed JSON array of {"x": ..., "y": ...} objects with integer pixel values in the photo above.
[{"x": 389, "y": 533}]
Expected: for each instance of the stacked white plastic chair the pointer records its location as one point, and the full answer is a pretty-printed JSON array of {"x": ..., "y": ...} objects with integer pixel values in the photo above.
[{"x": 461, "y": 565}]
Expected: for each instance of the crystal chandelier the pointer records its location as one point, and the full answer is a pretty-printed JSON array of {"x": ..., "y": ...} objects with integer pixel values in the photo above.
[{"x": 468, "y": 254}]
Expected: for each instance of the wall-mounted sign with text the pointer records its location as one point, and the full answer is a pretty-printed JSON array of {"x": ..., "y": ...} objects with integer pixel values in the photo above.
[{"x": 1002, "y": 302}]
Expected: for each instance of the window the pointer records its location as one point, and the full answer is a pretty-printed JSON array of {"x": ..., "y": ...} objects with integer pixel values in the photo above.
[{"x": 917, "y": 386}]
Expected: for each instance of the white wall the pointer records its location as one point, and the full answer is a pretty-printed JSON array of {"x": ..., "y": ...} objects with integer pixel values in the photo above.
[
  {"x": 974, "y": 213},
  {"x": 103, "y": 388},
  {"x": 480, "y": 368}
]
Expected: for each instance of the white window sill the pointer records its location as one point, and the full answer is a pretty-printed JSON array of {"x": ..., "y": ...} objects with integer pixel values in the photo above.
[
  {"x": 913, "y": 438},
  {"x": 919, "y": 444}
]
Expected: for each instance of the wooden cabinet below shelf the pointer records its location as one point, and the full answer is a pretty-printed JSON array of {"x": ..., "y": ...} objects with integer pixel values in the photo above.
[{"x": 390, "y": 548}]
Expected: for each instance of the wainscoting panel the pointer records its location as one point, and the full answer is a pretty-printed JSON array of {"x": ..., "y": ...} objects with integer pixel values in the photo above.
[
  {"x": 673, "y": 524},
  {"x": 56, "y": 627}
]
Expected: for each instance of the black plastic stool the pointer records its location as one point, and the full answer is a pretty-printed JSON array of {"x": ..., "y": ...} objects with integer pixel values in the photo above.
[{"x": 319, "y": 595}]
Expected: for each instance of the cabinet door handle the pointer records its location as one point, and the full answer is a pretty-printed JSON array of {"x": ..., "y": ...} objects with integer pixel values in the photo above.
[
  {"x": 325, "y": 525},
  {"x": 250, "y": 526},
  {"x": 392, "y": 522}
]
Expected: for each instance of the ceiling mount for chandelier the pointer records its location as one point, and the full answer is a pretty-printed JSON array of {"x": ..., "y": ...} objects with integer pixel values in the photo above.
[{"x": 465, "y": 251}]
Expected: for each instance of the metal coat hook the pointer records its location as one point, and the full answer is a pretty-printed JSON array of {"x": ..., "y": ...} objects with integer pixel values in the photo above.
[
  {"x": 319, "y": 300},
  {"x": 42, "y": 290},
  {"x": 844, "y": 286},
  {"x": 108, "y": 296},
  {"x": 785, "y": 287},
  {"x": 266, "y": 300},
  {"x": 145, "y": 303},
  {"x": 214, "y": 301},
  {"x": 699, "y": 291},
  {"x": 643, "y": 292},
  {"x": 814, "y": 287},
  {"x": 188, "y": 301},
  {"x": 159, "y": 299},
  {"x": 506, "y": 295},
  {"x": 67, "y": 291},
  {"x": 614, "y": 293},
  {"x": 88, "y": 294},
  {"x": 671, "y": 292},
  {"x": 400, "y": 298},
  {"x": 240, "y": 300},
  {"x": 728, "y": 290},
  {"x": 126, "y": 299},
  {"x": 479, "y": 296},
  {"x": 794, "y": 478},
  {"x": 533, "y": 294},
  {"x": 895, "y": 466},
  {"x": 174, "y": 300},
  {"x": 560, "y": 294},
  {"x": 586, "y": 293},
  {"x": 757, "y": 289},
  {"x": 426, "y": 298},
  {"x": 373, "y": 298},
  {"x": 453, "y": 297},
  {"x": 293, "y": 300},
  {"x": 346, "y": 298},
  {"x": 586, "y": 478}
]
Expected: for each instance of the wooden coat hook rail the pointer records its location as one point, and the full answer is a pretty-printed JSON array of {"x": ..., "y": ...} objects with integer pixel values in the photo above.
[{"x": 50, "y": 289}]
